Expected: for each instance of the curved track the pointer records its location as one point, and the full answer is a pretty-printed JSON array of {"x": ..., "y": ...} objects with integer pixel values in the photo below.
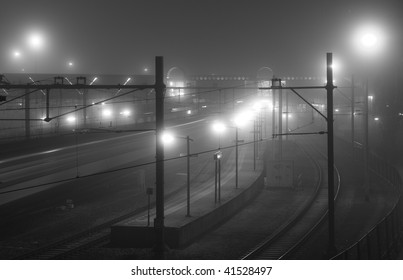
[{"x": 292, "y": 234}]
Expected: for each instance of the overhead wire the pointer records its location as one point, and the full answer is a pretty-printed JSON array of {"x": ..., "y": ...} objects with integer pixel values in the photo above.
[{"x": 127, "y": 167}]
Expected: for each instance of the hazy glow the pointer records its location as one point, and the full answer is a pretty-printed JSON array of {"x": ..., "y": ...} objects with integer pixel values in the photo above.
[
  {"x": 71, "y": 119},
  {"x": 36, "y": 41},
  {"x": 167, "y": 137},
  {"x": 242, "y": 118},
  {"x": 125, "y": 113},
  {"x": 369, "y": 39},
  {"x": 106, "y": 113},
  {"x": 262, "y": 104},
  {"x": 17, "y": 54},
  {"x": 218, "y": 127}
]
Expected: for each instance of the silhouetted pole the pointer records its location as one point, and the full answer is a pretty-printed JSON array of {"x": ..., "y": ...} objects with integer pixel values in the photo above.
[
  {"x": 287, "y": 115},
  {"x": 254, "y": 143},
  {"x": 330, "y": 153},
  {"x": 236, "y": 156},
  {"x": 366, "y": 140},
  {"x": 47, "y": 118},
  {"x": 159, "y": 127},
  {"x": 273, "y": 120},
  {"x": 27, "y": 114},
  {"x": 280, "y": 123},
  {"x": 216, "y": 181},
  {"x": 217, "y": 156},
  {"x": 352, "y": 111},
  {"x": 188, "y": 175}
]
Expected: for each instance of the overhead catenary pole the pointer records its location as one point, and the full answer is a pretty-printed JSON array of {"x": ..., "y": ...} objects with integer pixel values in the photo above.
[
  {"x": 47, "y": 104},
  {"x": 188, "y": 175},
  {"x": 366, "y": 139},
  {"x": 330, "y": 153},
  {"x": 287, "y": 114},
  {"x": 159, "y": 127},
  {"x": 352, "y": 111},
  {"x": 236, "y": 156},
  {"x": 27, "y": 114},
  {"x": 330, "y": 141},
  {"x": 280, "y": 122},
  {"x": 273, "y": 120}
]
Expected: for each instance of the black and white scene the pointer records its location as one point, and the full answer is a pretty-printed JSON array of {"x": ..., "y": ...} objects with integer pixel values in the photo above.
[{"x": 201, "y": 130}]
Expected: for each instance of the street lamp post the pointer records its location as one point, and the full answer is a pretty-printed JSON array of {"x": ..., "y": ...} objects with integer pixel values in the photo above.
[
  {"x": 330, "y": 152},
  {"x": 188, "y": 139},
  {"x": 159, "y": 123},
  {"x": 217, "y": 185},
  {"x": 254, "y": 143},
  {"x": 352, "y": 110},
  {"x": 218, "y": 127},
  {"x": 167, "y": 138},
  {"x": 236, "y": 157},
  {"x": 366, "y": 140}
]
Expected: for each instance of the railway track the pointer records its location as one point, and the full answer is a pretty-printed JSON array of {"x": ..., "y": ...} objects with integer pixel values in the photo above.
[
  {"x": 290, "y": 236},
  {"x": 74, "y": 244}
]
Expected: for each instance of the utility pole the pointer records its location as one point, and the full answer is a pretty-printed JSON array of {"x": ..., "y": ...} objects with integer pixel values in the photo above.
[
  {"x": 159, "y": 123},
  {"x": 287, "y": 115},
  {"x": 273, "y": 120},
  {"x": 352, "y": 111},
  {"x": 27, "y": 114},
  {"x": 330, "y": 142},
  {"x": 366, "y": 140},
  {"x": 330, "y": 153},
  {"x": 280, "y": 122},
  {"x": 188, "y": 175}
]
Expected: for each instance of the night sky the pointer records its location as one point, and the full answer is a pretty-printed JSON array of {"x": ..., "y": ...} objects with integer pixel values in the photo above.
[{"x": 200, "y": 36}]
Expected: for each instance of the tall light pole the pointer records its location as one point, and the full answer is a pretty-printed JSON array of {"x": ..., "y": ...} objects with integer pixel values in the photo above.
[
  {"x": 236, "y": 157},
  {"x": 217, "y": 186},
  {"x": 352, "y": 111},
  {"x": 366, "y": 140},
  {"x": 330, "y": 152},
  {"x": 168, "y": 138},
  {"x": 159, "y": 166},
  {"x": 220, "y": 128},
  {"x": 369, "y": 40}
]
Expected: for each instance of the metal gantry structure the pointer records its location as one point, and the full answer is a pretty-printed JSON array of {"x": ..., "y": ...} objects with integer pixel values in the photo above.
[
  {"x": 329, "y": 87},
  {"x": 159, "y": 88}
]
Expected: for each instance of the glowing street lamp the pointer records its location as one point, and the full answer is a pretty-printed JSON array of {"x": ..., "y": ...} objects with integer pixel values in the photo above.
[
  {"x": 71, "y": 119},
  {"x": 125, "y": 113},
  {"x": 36, "y": 41},
  {"x": 369, "y": 39},
  {"x": 17, "y": 54},
  {"x": 219, "y": 128},
  {"x": 168, "y": 138}
]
